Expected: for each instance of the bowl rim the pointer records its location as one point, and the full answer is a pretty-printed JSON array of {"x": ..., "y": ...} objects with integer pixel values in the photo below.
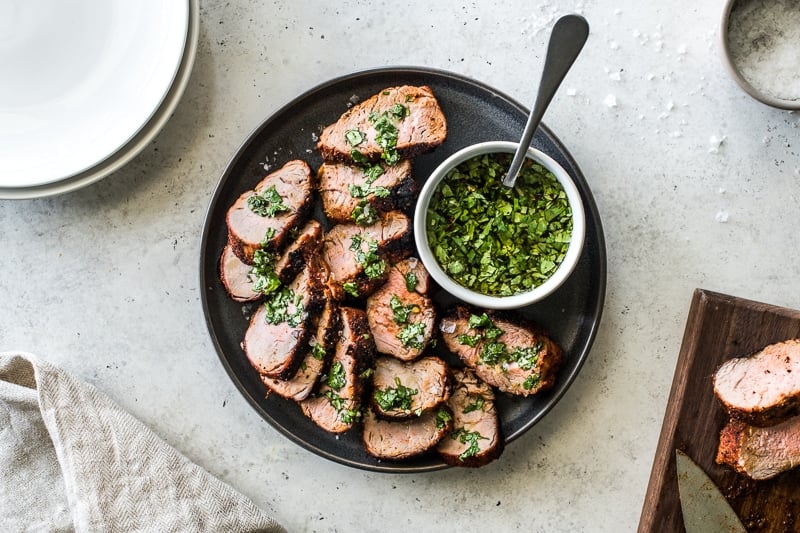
[
  {"x": 515, "y": 301},
  {"x": 733, "y": 70}
]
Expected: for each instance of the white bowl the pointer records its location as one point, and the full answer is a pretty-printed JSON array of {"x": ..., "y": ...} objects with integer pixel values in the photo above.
[{"x": 500, "y": 302}]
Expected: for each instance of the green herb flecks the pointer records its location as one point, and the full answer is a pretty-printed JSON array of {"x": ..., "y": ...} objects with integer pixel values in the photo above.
[
  {"x": 497, "y": 240},
  {"x": 364, "y": 214},
  {"x": 265, "y": 280},
  {"x": 351, "y": 288},
  {"x": 493, "y": 353},
  {"x": 374, "y": 266},
  {"x": 267, "y": 203},
  {"x": 354, "y": 137},
  {"x": 385, "y": 125},
  {"x": 346, "y": 415},
  {"x": 401, "y": 312},
  {"x": 411, "y": 281},
  {"x": 284, "y": 306},
  {"x": 531, "y": 381},
  {"x": 336, "y": 378},
  {"x": 477, "y": 405},
  {"x": 398, "y": 397},
  {"x": 468, "y": 437},
  {"x": 412, "y": 335},
  {"x": 318, "y": 351},
  {"x": 443, "y": 418}
]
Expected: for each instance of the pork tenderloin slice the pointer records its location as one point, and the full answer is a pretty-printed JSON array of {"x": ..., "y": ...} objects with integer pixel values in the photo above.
[
  {"x": 337, "y": 405},
  {"x": 307, "y": 243},
  {"x": 358, "y": 256},
  {"x": 402, "y": 321},
  {"x": 248, "y": 231},
  {"x": 239, "y": 279},
  {"x": 760, "y": 452},
  {"x": 506, "y": 352},
  {"x": 762, "y": 388},
  {"x": 396, "y": 440},
  {"x": 276, "y": 339},
  {"x": 476, "y": 437},
  {"x": 318, "y": 355},
  {"x": 422, "y": 130},
  {"x": 236, "y": 278},
  {"x": 344, "y": 190},
  {"x": 406, "y": 390}
]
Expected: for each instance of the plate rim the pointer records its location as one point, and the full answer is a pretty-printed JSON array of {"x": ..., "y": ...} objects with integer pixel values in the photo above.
[
  {"x": 140, "y": 139},
  {"x": 402, "y": 70}
]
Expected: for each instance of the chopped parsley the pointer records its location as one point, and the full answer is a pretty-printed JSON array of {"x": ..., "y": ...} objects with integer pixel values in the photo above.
[
  {"x": 497, "y": 240},
  {"x": 355, "y": 137},
  {"x": 374, "y": 266},
  {"x": 278, "y": 306},
  {"x": 351, "y": 288},
  {"x": 477, "y": 405},
  {"x": 348, "y": 416},
  {"x": 400, "y": 312},
  {"x": 364, "y": 214},
  {"x": 336, "y": 378},
  {"x": 531, "y": 381},
  {"x": 494, "y": 352},
  {"x": 399, "y": 397},
  {"x": 267, "y": 203},
  {"x": 265, "y": 280},
  {"x": 468, "y": 437},
  {"x": 412, "y": 335},
  {"x": 318, "y": 351},
  {"x": 443, "y": 417},
  {"x": 411, "y": 281}
]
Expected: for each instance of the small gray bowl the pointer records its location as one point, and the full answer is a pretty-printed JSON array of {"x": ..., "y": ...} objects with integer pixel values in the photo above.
[
  {"x": 734, "y": 71},
  {"x": 500, "y": 302}
]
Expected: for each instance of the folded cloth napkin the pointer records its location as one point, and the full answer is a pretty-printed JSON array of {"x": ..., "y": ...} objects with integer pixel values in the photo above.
[{"x": 73, "y": 460}]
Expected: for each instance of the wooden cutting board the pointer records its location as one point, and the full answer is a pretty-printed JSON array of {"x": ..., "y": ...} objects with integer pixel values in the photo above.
[{"x": 719, "y": 327}]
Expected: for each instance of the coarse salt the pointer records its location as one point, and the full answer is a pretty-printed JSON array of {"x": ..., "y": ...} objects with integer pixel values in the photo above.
[{"x": 764, "y": 39}]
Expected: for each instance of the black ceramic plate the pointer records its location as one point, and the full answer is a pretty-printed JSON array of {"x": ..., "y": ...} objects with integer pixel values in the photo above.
[{"x": 475, "y": 113}]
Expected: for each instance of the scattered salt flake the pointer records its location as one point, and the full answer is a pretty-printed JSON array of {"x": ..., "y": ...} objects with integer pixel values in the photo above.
[
  {"x": 637, "y": 33},
  {"x": 650, "y": 76},
  {"x": 640, "y": 117},
  {"x": 721, "y": 216},
  {"x": 676, "y": 134},
  {"x": 670, "y": 105},
  {"x": 721, "y": 190},
  {"x": 616, "y": 76},
  {"x": 610, "y": 101},
  {"x": 447, "y": 326},
  {"x": 714, "y": 142},
  {"x": 314, "y": 137},
  {"x": 682, "y": 49},
  {"x": 658, "y": 45},
  {"x": 614, "y": 45},
  {"x": 571, "y": 91},
  {"x": 617, "y": 11},
  {"x": 663, "y": 115}
]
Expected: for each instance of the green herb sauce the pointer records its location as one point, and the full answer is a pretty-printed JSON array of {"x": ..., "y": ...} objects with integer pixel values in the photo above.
[
  {"x": 267, "y": 203},
  {"x": 399, "y": 397},
  {"x": 496, "y": 240}
]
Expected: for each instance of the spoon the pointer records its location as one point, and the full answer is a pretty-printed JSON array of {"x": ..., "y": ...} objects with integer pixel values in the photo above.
[{"x": 566, "y": 41}]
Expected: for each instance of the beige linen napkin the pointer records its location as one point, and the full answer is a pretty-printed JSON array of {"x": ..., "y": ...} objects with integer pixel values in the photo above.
[{"x": 73, "y": 460}]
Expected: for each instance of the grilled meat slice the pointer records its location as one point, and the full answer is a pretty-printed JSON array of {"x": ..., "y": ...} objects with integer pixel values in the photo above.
[
  {"x": 336, "y": 406},
  {"x": 239, "y": 278},
  {"x": 358, "y": 257},
  {"x": 476, "y": 438},
  {"x": 295, "y": 256},
  {"x": 318, "y": 354},
  {"x": 508, "y": 353},
  {"x": 350, "y": 192},
  {"x": 402, "y": 320},
  {"x": 406, "y": 390},
  {"x": 421, "y": 130},
  {"x": 236, "y": 278},
  {"x": 760, "y": 452},
  {"x": 251, "y": 222},
  {"x": 763, "y": 388},
  {"x": 401, "y": 439},
  {"x": 277, "y": 338}
]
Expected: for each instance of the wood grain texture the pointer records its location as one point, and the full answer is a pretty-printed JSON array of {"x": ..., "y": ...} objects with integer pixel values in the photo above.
[{"x": 719, "y": 327}]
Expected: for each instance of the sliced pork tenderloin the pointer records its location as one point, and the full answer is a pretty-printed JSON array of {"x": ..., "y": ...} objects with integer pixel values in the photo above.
[
  {"x": 277, "y": 338},
  {"x": 337, "y": 405},
  {"x": 400, "y": 439},
  {"x": 413, "y": 112},
  {"x": 762, "y": 388},
  {"x": 506, "y": 352},
  {"x": 265, "y": 216},
  {"x": 245, "y": 283},
  {"x": 760, "y": 452},
  {"x": 406, "y": 390},
  {"x": 357, "y": 193},
  {"x": 358, "y": 257},
  {"x": 401, "y": 317},
  {"x": 318, "y": 355},
  {"x": 476, "y": 437}
]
